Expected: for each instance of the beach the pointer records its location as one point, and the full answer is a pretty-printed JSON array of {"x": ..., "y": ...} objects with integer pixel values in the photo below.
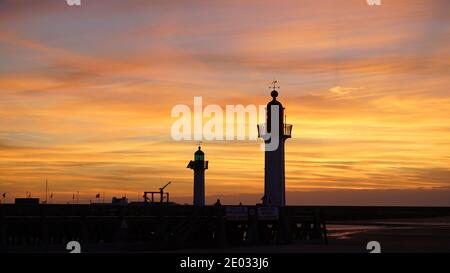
[{"x": 419, "y": 235}]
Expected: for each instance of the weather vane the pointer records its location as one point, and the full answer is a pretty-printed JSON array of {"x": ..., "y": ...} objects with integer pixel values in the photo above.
[{"x": 274, "y": 85}]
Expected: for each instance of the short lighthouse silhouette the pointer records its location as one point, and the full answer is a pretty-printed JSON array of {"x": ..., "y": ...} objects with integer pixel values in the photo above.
[
  {"x": 199, "y": 165},
  {"x": 274, "y": 175}
]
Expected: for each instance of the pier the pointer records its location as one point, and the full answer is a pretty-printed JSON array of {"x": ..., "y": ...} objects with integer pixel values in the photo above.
[{"x": 144, "y": 227}]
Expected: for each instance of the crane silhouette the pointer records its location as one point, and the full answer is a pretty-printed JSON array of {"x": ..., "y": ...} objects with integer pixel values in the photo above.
[{"x": 161, "y": 193}]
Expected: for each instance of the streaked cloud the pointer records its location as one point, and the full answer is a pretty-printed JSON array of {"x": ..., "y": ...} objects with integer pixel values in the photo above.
[{"x": 86, "y": 94}]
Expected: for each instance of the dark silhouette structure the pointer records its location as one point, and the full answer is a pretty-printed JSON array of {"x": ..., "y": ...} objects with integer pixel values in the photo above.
[
  {"x": 199, "y": 165},
  {"x": 144, "y": 227},
  {"x": 162, "y": 195},
  {"x": 274, "y": 170}
]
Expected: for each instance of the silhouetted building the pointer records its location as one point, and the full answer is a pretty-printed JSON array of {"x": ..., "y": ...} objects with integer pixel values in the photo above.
[
  {"x": 274, "y": 178},
  {"x": 119, "y": 201},
  {"x": 27, "y": 201},
  {"x": 199, "y": 165}
]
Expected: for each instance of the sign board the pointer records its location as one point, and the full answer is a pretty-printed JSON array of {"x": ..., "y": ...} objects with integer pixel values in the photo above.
[
  {"x": 268, "y": 213},
  {"x": 236, "y": 213}
]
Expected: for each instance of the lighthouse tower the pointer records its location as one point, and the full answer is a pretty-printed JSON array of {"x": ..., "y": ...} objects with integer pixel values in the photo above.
[
  {"x": 199, "y": 165},
  {"x": 274, "y": 180}
]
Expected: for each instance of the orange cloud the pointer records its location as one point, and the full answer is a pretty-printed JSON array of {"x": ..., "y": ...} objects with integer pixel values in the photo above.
[{"x": 85, "y": 102}]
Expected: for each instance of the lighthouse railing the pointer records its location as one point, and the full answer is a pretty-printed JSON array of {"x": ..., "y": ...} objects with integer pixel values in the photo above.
[
  {"x": 262, "y": 129},
  {"x": 287, "y": 130}
]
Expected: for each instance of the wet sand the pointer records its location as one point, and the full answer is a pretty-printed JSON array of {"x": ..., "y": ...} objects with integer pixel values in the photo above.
[{"x": 394, "y": 235}]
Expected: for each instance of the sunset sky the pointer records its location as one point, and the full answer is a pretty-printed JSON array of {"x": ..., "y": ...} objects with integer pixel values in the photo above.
[{"x": 86, "y": 95}]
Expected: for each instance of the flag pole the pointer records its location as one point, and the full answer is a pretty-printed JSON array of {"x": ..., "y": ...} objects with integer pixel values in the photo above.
[{"x": 46, "y": 191}]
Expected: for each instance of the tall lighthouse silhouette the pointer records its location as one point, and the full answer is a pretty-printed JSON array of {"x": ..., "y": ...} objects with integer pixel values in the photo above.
[
  {"x": 199, "y": 165},
  {"x": 274, "y": 140}
]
